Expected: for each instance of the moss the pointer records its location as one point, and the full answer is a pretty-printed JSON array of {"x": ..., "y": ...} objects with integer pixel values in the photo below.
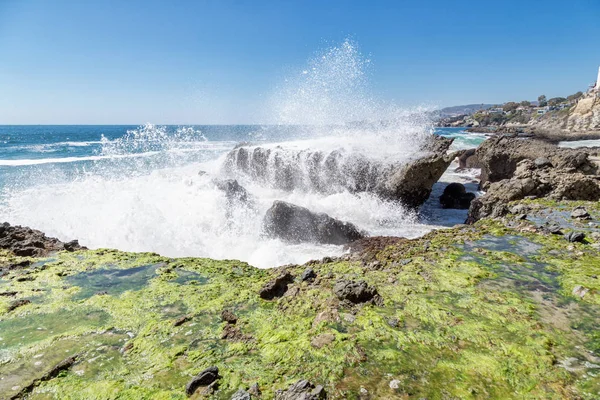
[{"x": 484, "y": 311}]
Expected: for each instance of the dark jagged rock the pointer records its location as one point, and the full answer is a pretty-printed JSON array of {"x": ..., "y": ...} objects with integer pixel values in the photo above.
[
  {"x": 528, "y": 181},
  {"x": 229, "y": 317},
  {"x": 234, "y": 334},
  {"x": 456, "y": 196},
  {"x": 500, "y": 155},
  {"x": 308, "y": 275},
  {"x": 336, "y": 171},
  {"x": 575, "y": 237},
  {"x": 232, "y": 189},
  {"x": 27, "y": 242},
  {"x": 302, "y": 390},
  {"x": 277, "y": 287},
  {"x": 182, "y": 320},
  {"x": 204, "y": 378},
  {"x": 298, "y": 224},
  {"x": 355, "y": 292}
]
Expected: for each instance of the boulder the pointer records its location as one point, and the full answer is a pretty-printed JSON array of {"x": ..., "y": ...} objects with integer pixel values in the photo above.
[
  {"x": 336, "y": 171},
  {"x": 204, "y": 378},
  {"x": 276, "y": 287},
  {"x": 232, "y": 189},
  {"x": 528, "y": 181},
  {"x": 456, "y": 196},
  {"x": 575, "y": 237},
  {"x": 499, "y": 156},
  {"x": 308, "y": 275},
  {"x": 355, "y": 292},
  {"x": 298, "y": 224},
  {"x": 27, "y": 242},
  {"x": 302, "y": 390},
  {"x": 580, "y": 213}
]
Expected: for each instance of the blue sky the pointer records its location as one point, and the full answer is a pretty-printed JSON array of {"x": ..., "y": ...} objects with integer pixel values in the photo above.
[{"x": 183, "y": 62}]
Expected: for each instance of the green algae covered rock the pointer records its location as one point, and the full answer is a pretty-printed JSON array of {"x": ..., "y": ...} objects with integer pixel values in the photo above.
[{"x": 502, "y": 309}]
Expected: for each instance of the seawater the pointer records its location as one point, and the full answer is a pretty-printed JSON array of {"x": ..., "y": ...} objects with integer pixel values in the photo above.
[{"x": 139, "y": 189}]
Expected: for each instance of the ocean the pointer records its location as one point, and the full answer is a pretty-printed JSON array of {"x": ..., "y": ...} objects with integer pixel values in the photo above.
[{"x": 139, "y": 188}]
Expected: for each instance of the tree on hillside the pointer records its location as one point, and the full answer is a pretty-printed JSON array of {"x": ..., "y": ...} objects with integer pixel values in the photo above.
[
  {"x": 542, "y": 101},
  {"x": 525, "y": 103},
  {"x": 556, "y": 101},
  {"x": 575, "y": 96},
  {"x": 510, "y": 106}
]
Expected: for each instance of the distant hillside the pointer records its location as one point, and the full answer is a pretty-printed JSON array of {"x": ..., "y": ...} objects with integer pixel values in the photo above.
[{"x": 467, "y": 109}]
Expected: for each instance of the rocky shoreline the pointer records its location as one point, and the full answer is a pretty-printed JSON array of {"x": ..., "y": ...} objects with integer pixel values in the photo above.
[{"x": 504, "y": 307}]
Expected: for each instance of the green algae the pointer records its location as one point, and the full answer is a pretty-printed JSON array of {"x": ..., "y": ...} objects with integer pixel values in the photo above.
[{"x": 484, "y": 311}]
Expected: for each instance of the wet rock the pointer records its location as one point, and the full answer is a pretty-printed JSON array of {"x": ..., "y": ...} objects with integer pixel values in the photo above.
[
  {"x": 232, "y": 189},
  {"x": 580, "y": 213},
  {"x": 322, "y": 340},
  {"x": 575, "y": 237},
  {"x": 355, "y": 292},
  {"x": 241, "y": 395},
  {"x": 338, "y": 171},
  {"x": 27, "y": 242},
  {"x": 456, "y": 196},
  {"x": 302, "y": 390},
  {"x": 229, "y": 317},
  {"x": 16, "y": 304},
  {"x": 8, "y": 293},
  {"x": 298, "y": 224},
  {"x": 553, "y": 229},
  {"x": 519, "y": 209},
  {"x": 204, "y": 378},
  {"x": 308, "y": 275},
  {"x": 276, "y": 287}
]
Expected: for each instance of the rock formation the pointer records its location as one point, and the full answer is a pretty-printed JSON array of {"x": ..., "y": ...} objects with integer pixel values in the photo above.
[
  {"x": 336, "y": 171},
  {"x": 298, "y": 224}
]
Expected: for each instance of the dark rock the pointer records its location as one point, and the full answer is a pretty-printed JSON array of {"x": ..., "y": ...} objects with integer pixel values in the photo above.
[
  {"x": 302, "y": 390},
  {"x": 229, "y": 317},
  {"x": 308, "y": 275},
  {"x": 241, "y": 395},
  {"x": 580, "y": 213},
  {"x": 500, "y": 155},
  {"x": 298, "y": 224},
  {"x": 233, "y": 190},
  {"x": 554, "y": 229},
  {"x": 16, "y": 304},
  {"x": 455, "y": 196},
  {"x": 8, "y": 294},
  {"x": 337, "y": 171},
  {"x": 276, "y": 287},
  {"x": 355, "y": 292},
  {"x": 575, "y": 237},
  {"x": 234, "y": 334},
  {"x": 27, "y": 242},
  {"x": 204, "y": 378}
]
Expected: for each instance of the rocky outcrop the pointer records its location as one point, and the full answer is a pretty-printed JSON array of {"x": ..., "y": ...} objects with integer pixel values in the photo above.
[
  {"x": 298, "y": 224},
  {"x": 468, "y": 159},
  {"x": 583, "y": 117},
  {"x": 356, "y": 292},
  {"x": 337, "y": 171},
  {"x": 276, "y": 287},
  {"x": 456, "y": 196},
  {"x": 530, "y": 180},
  {"x": 498, "y": 157},
  {"x": 204, "y": 378},
  {"x": 27, "y": 242}
]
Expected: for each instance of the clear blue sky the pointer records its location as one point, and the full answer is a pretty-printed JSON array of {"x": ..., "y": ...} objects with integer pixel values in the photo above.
[{"x": 129, "y": 61}]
